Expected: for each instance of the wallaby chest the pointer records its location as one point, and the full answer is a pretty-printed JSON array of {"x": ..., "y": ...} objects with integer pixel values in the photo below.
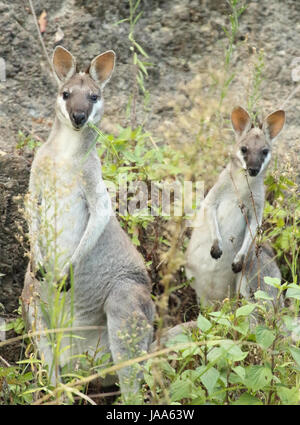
[{"x": 62, "y": 207}]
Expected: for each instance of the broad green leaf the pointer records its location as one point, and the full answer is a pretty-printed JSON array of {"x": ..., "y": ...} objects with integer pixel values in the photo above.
[
  {"x": 209, "y": 378},
  {"x": 203, "y": 324},
  {"x": 233, "y": 351},
  {"x": 180, "y": 389},
  {"x": 264, "y": 336},
  {"x": 165, "y": 367},
  {"x": 295, "y": 352},
  {"x": 257, "y": 377},
  {"x": 245, "y": 310},
  {"x": 238, "y": 377},
  {"x": 235, "y": 379},
  {"x": 190, "y": 351},
  {"x": 272, "y": 281},
  {"x": 215, "y": 354},
  {"x": 240, "y": 371},
  {"x": 220, "y": 317},
  {"x": 242, "y": 327},
  {"x": 247, "y": 399},
  {"x": 289, "y": 396},
  {"x": 262, "y": 295},
  {"x": 293, "y": 292}
]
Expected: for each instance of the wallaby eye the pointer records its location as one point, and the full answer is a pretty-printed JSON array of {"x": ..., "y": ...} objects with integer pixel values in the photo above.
[
  {"x": 65, "y": 95},
  {"x": 244, "y": 149},
  {"x": 265, "y": 151},
  {"x": 93, "y": 97}
]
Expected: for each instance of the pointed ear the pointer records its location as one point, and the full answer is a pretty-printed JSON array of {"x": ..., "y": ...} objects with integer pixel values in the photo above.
[
  {"x": 64, "y": 63},
  {"x": 102, "y": 67},
  {"x": 274, "y": 123},
  {"x": 241, "y": 121}
]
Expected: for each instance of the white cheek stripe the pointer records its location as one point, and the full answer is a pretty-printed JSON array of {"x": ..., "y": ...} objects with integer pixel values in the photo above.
[
  {"x": 240, "y": 157},
  {"x": 62, "y": 112},
  {"x": 265, "y": 163},
  {"x": 62, "y": 107},
  {"x": 97, "y": 111}
]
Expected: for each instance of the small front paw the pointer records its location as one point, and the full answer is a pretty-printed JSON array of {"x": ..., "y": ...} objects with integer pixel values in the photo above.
[
  {"x": 67, "y": 283},
  {"x": 40, "y": 273},
  {"x": 237, "y": 264},
  {"x": 66, "y": 279},
  {"x": 216, "y": 250}
]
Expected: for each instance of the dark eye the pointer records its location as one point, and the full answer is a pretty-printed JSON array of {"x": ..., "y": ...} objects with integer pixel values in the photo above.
[
  {"x": 93, "y": 97},
  {"x": 244, "y": 149},
  {"x": 65, "y": 94},
  {"x": 265, "y": 151}
]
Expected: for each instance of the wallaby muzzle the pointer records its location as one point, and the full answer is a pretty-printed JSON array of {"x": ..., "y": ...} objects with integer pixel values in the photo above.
[
  {"x": 78, "y": 119},
  {"x": 253, "y": 171}
]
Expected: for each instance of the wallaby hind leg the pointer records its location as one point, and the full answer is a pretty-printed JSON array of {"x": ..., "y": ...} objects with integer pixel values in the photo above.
[
  {"x": 130, "y": 314},
  {"x": 33, "y": 318},
  {"x": 251, "y": 279}
]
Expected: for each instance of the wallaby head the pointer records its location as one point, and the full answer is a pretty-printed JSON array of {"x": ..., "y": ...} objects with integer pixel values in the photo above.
[
  {"x": 254, "y": 143},
  {"x": 79, "y": 99}
]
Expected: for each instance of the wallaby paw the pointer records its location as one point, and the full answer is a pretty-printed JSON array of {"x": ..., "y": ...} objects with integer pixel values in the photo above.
[
  {"x": 67, "y": 283},
  {"x": 40, "y": 273},
  {"x": 237, "y": 265},
  {"x": 216, "y": 251}
]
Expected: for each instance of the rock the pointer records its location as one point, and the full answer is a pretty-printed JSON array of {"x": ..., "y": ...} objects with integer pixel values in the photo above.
[{"x": 14, "y": 175}]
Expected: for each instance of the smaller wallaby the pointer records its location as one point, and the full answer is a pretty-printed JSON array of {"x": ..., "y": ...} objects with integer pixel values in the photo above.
[
  {"x": 222, "y": 257},
  {"x": 72, "y": 228}
]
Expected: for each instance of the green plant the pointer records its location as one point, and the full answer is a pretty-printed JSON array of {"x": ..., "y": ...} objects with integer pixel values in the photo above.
[
  {"x": 139, "y": 63},
  {"x": 282, "y": 218},
  {"x": 229, "y": 360},
  {"x": 27, "y": 142},
  {"x": 237, "y": 9},
  {"x": 130, "y": 160},
  {"x": 255, "y": 95}
]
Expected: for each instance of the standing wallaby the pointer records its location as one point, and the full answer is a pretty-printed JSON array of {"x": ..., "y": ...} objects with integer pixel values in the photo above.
[
  {"x": 221, "y": 256},
  {"x": 73, "y": 231}
]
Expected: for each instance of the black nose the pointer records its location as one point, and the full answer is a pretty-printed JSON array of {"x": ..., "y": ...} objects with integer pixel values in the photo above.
[
  {"x": 78, "y": 118},
  {"x": 253, "y": 171}
]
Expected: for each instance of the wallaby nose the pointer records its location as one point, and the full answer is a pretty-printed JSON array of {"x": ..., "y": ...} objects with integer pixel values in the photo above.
[
  {"x": 78, "y": 118},
  {"x": 253, "y": 171}
]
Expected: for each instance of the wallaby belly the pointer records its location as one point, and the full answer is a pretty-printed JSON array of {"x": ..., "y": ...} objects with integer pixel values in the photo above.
[
  {"x": 62, "y": 221},
  {"x": 232, "y": 226},
  {"x": 213, "y": 279}
]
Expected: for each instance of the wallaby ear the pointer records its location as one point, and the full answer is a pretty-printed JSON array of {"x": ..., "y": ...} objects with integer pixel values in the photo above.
[
  {"x": 241, "y": 121},
  {"x": 274, "y": 123},
  {"x": 102, "y": 67},
  {"x": 64, "y": 63}
]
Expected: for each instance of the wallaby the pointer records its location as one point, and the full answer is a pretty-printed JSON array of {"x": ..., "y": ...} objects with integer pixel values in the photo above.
[
  {"x": 221, "y": 257},
  {"x": 73, "y": 230}
]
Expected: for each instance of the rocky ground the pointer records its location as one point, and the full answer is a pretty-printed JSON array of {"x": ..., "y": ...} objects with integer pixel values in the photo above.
[{"x": 185, "y": 43}]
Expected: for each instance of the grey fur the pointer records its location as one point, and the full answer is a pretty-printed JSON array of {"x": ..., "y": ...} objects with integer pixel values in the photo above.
[
  {"x": 221, "y": 254},
  {"x": 111, "y": 285}
]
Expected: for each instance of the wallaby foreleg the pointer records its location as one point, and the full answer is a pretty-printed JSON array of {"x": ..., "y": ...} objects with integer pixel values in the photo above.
[
  {"x": 254, "y": 222},
  {"x": 211, "y": 215}
]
